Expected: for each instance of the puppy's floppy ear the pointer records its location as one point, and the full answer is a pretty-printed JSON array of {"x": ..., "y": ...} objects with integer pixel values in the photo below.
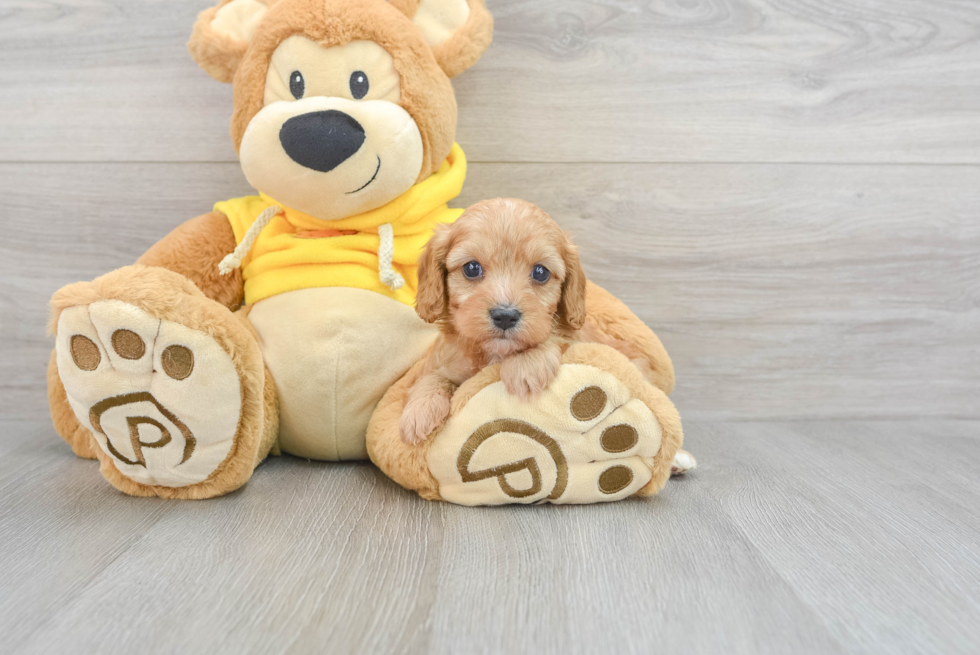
[
  {"x": 432, "y": 301},
  {"x": 458, "y": 31},
  {"x": 221, "y": 35},
  {"x": 571, "y": 307}
]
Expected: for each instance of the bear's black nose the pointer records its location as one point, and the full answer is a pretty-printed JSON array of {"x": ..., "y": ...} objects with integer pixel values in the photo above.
[
  {"x": 505, "y": 317},
  {"x": 321, "y": 140}
]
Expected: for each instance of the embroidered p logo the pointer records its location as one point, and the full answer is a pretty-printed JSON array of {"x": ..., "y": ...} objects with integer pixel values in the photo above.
[
  {"x": 501, "y": 471},
  {"x": 134, "y": 423}
]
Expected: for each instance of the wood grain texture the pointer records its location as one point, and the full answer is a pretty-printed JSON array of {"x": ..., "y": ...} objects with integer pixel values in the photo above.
[
  {"x": 780, "y": 291},
  {"x": 802, "y": 537},
  {"x": 833, "y": 274},
  {"x": 862, "y": 522},
  {"x": 627, "y": 80}
]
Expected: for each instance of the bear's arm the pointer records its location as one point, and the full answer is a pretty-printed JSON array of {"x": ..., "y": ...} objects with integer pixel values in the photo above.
[
  {"x": 610, "y": 319},
  {"x": 194, "y": 249}
]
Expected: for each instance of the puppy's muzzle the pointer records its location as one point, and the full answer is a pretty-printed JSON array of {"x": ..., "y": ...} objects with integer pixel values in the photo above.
[
  {"x": 505, "y": 318},
  {"x": 321, "y": 140}
]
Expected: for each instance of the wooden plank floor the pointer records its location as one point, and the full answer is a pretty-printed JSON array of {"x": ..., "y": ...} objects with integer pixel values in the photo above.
[
  {"x": 794, "y": 537},
  {"x": 787, "y": 191}
]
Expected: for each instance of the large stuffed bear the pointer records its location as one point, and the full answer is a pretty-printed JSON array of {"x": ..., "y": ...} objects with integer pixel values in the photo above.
[{"x": 278, "y": 322}]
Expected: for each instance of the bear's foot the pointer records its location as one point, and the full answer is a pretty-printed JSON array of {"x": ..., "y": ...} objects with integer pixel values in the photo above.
[
  {"x": 599, "y": 433},
  {"x": 172, "y": 411}
]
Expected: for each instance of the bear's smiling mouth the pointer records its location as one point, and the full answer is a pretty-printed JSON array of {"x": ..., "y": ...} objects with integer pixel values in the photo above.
[{"x": 360, "y": 188}]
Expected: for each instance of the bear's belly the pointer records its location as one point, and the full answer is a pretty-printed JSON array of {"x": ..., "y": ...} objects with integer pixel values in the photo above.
[{"x": 333, "y": 352}]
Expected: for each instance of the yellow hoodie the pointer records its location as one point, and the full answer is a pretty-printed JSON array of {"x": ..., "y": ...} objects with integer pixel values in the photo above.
[{"x": 297, "y": 251}]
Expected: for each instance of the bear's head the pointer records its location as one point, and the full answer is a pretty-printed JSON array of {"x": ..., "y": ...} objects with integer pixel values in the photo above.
[{"x": 340, "y": 106}]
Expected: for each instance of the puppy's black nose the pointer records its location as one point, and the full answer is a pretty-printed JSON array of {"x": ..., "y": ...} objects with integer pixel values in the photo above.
[
  {"x": 505, "y": 317},
  {"x": 321, "y": 140}
]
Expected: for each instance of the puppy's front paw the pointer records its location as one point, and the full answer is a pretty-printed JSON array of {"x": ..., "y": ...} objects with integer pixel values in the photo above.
[
  {"x": 421, "y": 417},
  {"x": 526, "y": 377}
]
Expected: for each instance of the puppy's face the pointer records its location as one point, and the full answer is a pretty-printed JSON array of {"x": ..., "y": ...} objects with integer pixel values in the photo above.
[{"x": 503, "y": 276}]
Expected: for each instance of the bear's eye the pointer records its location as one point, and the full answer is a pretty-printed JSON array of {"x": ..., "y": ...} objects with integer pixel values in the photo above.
[
  {"x": 359, "y": 84},
  {"x": 297, "y": 85},
  {"x": 540, "y": 274},
  {"x": 472, "y": 270}
]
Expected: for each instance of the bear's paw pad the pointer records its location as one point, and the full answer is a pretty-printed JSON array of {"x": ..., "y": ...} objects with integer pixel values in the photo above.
[
  {"x": 162, "y": 400},
  {"x": 583, "y": 440}
]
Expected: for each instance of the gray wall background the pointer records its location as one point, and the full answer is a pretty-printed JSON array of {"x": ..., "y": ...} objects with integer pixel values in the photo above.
[{"x": 788, "y": 192}]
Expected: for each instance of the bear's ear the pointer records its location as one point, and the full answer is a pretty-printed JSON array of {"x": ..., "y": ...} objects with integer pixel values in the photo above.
[
  {"x": 221, "y": 35},
  {"x": 458, "y": 31}
]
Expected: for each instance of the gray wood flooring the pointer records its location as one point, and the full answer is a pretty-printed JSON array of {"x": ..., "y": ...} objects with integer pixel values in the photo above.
[
  {"x": 793, "y": 537},
  {"x": 787, "y": 191}
]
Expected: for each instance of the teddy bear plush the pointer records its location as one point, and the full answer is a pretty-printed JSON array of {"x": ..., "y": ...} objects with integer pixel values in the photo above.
[{"x": 283, "y": 322}]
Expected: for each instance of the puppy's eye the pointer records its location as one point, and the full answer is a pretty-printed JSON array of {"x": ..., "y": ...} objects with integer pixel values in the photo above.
[
  {"x": 540, "y": 274},
  {"x": 297, "y": 85},
  {"x": 472, "y": 270},
  {"x": 359, "y": 84}
]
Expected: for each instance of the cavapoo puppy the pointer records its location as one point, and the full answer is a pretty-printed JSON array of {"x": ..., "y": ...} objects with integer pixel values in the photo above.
[{"x": 504, "y": 284}]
